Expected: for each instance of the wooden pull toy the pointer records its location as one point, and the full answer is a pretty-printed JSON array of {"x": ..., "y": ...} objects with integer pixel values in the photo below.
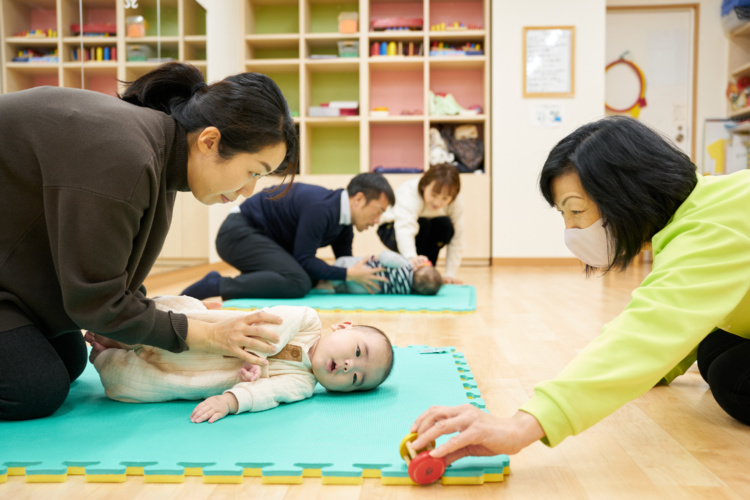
[{"x": 423, "y": 469}]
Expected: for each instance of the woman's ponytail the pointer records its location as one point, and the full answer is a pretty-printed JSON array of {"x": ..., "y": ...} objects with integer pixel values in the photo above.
[
  {"x": 166, "y": 87},
  {"x": 248, "y": 109}
]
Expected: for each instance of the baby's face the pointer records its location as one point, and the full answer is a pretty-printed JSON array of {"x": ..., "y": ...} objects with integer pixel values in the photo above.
[{"x": 350, "y": 359}]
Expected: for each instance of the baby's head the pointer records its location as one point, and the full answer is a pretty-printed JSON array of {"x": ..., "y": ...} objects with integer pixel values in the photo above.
[
  {"x": 352, "y": 358},
  {"x": 426, "y": 281}
]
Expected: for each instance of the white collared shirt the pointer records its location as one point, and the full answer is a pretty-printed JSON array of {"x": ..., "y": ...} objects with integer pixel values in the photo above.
[{"x": 346, "y": 211}]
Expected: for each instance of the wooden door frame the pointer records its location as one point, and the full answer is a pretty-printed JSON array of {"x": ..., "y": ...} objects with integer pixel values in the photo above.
[{"x": 696, "y": 10}]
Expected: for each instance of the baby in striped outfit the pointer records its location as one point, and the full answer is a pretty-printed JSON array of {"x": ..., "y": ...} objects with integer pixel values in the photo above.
[{"x": 404, "y": 276}]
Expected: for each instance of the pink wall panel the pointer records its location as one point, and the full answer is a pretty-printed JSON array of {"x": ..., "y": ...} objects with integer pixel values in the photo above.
[
  {"x": 43, "y": 19},
  {"x": 95, "y": 16},
  {"x": 462, "y": 12},
  {"x": 42, "y": 80},
  {"x": 103, "y": 84},
  {"x": 465, "y": 85},
  {"x": 396, "y": 145},
  {"x": 400, "y": 9},
  {"x": 397, "y": 90}
]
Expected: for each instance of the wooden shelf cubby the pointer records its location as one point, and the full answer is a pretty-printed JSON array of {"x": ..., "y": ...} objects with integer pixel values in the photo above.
[
  {"x": 295, "y": 42},
  {"x": 177, "y": 30},
  {"x": 739, "y": 65}
]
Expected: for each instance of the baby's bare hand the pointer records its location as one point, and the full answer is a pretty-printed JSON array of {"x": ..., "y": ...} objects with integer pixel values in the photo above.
[{"x": 212, "y": 409}]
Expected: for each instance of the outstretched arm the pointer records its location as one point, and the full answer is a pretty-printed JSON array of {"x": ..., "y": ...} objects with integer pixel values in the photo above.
[{"x": 479, "y": 433}]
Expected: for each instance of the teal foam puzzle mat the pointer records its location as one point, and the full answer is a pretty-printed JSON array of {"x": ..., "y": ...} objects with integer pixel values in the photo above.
[
  {"x": 341, "y": 438},
  {"x": 450, "y": 298}
]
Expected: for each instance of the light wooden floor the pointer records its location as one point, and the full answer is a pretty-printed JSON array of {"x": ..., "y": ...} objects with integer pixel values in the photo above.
[{"x": 674, "y": 442}]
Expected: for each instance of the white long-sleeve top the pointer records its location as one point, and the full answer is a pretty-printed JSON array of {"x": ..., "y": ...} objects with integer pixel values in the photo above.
[
  {"x": 148, "y": 374},
  {"x": 405, "y": 214}
]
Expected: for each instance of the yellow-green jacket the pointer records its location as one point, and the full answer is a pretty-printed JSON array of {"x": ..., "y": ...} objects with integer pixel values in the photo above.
[{"x": 700, "y": 280}]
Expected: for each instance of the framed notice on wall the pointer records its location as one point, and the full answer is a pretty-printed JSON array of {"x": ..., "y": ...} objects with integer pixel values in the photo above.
[{"x": 549, "y": 61}]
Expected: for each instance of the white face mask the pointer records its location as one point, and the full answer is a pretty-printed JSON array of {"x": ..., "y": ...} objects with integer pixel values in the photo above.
[{"x": 591, "y": 245}]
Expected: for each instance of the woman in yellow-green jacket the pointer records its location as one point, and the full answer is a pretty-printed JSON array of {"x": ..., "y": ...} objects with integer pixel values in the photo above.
[{"x": 619, "y": 186}]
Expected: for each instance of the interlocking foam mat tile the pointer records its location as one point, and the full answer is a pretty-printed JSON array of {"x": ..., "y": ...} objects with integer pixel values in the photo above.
[
  {"x": 450, "y": 298},
  {"x": 340, "y": 438}
]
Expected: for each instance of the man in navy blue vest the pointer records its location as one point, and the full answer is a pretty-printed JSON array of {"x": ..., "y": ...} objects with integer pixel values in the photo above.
[{"x": 273, "y": 242}]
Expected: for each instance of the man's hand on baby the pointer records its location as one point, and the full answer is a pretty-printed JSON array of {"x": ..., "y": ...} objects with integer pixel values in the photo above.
[
  {"x": 365, "y": 275},
  {"x": 213, "y": 409},
  {"x": 249, "y": 372}
]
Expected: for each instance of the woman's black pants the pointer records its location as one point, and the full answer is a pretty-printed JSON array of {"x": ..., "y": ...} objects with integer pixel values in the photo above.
[
  {"x": 433, "y": 235},
  {"x": 36, "y": 371},
  {"x": 724, "y": 362}
]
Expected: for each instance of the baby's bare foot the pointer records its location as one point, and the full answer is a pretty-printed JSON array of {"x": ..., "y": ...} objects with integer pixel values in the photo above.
[{"x": 102, "y": 342}]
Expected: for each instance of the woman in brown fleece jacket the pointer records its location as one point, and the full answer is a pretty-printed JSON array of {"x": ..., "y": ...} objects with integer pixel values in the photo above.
[{"x": 87, "y": 187}]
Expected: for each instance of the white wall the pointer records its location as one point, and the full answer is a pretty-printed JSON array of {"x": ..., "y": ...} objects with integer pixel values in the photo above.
[
  {"x": 713, "y": 60},
  {"x": 524, "y": 226},
  {"x": 225, "y": 52}
]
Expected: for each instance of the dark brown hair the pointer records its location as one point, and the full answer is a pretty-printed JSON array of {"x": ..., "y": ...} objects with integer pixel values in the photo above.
[
  {"x": 445, "y": 175},
  {"x": 426, "y": 281}
]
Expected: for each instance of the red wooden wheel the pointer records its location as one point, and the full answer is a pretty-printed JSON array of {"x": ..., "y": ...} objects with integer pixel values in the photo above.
[{"x": 425, "y": 469}]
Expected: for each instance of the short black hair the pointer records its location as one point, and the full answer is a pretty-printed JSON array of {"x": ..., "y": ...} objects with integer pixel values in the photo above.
[
  {"x": 635, "y": 176},
  {"x": 372, "y": 185}
]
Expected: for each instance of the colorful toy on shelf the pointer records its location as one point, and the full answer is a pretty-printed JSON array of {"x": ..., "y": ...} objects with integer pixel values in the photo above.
[
  {"x": 739, "y": 93},
  {"x": 94, "y": 29},
  {"x": 446, "y": 49},
  {"x": 334, "y": 108},
  {"x": 395, "y": 23},
  {"x": 136, "y": 26},
  {"x": 348, "y": 48},
  {"x": 380, "y": 112},
  {"x": 49, "y": 33},
  {"x": 392, "y": 48},
  {"x": 139, "y": 52},
  {"x": 95, "y": 54},
  {"x": 422, "y": 468},
  {"x": 37, "y": 55},
  {"x": 455, "y": 26},
  {"x": 348, "y": 22}
]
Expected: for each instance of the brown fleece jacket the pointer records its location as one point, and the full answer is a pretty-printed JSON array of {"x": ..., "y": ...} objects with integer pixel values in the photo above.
[{"x": 87, "y": 186}]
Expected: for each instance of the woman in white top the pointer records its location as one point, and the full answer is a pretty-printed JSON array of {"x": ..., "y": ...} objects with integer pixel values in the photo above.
[{"x": 428, "y": 214}]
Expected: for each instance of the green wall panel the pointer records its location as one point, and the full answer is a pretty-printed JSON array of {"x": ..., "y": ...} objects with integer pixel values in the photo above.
[{"x": 335, "y": 150}]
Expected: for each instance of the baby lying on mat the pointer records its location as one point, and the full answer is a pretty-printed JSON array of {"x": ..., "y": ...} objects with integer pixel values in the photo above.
[
  {"x": 404, "y": 276},
  {"x": 350, "y": 358}
]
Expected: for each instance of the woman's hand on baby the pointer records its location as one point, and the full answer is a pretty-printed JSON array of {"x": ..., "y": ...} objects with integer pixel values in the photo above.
[
  {"x": 448, "y": 280},
  {"x": 365, "y": 275},
  {"x": 479, "y": 433},
  {"x": 420, "y": 260},
  {"x": 214, "y": 408},
  {"x": 249, "y": 372},
  {"x": 235, "y": 336}
]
